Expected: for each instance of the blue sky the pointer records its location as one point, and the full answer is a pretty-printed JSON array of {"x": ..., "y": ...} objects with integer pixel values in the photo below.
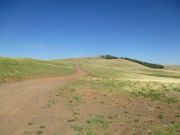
[{"x": 148, "y": 30}]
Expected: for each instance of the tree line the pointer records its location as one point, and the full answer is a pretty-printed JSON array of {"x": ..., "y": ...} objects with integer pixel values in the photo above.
[
  {"x": 108, "y": 57},
  {"x": 147, "y": 64}
]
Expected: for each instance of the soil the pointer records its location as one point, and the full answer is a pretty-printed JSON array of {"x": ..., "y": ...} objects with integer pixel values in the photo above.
[
  {"x": 24, "y": 107},
  {"x": 32, "y": 107}
]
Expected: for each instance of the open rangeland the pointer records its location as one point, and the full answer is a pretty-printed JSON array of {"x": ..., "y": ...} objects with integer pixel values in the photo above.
[{"x": 87, "y": 96}]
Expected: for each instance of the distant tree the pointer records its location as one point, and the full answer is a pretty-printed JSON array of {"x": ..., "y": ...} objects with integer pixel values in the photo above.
[
  {"x": 147, "y": 64},
  {"x": 108, "y": 56}
]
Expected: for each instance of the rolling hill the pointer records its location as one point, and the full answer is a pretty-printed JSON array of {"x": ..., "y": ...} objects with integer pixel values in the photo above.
[
  {"x": 13, "y": 69},
  {"x": 173, "y": 67},
  {"x": 124, "y": 69},
  {"x": 89, "y": 96}
]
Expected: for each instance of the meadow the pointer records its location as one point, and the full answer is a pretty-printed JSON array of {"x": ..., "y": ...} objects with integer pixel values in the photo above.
[
  {"x": 14, "y": 69},
  {"x": 112, "y": 97},
  {"x": 119, "y": 77}
]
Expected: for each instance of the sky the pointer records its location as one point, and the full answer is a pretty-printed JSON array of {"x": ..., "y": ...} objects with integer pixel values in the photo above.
[{"x": 147, "y": 30}]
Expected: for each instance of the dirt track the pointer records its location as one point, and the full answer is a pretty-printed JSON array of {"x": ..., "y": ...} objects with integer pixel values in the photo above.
[
  {"x": 34, "y": 107},
  {"x": 24, "y": 107}
]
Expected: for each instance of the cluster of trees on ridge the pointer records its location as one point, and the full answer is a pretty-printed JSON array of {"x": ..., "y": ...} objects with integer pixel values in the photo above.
[
  {"x": 147, "y": 64},
  {"x": 108, "y": 57}
]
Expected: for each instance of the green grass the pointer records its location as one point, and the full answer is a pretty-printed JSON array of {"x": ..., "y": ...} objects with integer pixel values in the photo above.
[
  {"x": 157, "y": 91},
  {"x": 172, "y": 129},
  {"x": 160, "y": 116},
  {"x": 72, "y": 99},
  {"x": 95, "y": 125},
  {"x": 18, "y": 69}
]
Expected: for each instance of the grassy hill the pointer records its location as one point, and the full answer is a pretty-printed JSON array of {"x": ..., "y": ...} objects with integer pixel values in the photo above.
[
  {"x": 173, "y": 67},
  {"x": 12, "y": 69},
  {"x": 119, "y": 78},
  {"x": 117, "y": 94},
  {"x": 119, "y": 69},
  {"x": 124, "y": 69},
  {"x": 125, "y": 76}
]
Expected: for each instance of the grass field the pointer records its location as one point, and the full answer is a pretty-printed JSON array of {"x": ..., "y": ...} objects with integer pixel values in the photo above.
[
  {"x": 115, "y": 97},
  {"x": 13, "y": 69},
  {"x": 121, "y": 75},
  {"x": 173, "y": 67},
  {"x": 152, "y": 86},
  {"x": 123, "y": 69}
]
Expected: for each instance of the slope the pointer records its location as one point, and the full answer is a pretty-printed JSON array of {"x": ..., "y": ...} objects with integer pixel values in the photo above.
[
  {"x": 123, "y": 69},
  {"x": 13, "y": 69}
]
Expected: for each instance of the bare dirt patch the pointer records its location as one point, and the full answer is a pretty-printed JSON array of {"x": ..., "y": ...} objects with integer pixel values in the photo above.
[
  {"x": 125, "y": 114},
  {"x": 24, "y": 107}
]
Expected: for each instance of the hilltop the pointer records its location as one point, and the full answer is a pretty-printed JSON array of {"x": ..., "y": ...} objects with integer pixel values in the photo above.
[
  {"x": 12, "y": 69},
  {"x": 125, "y": 69}
]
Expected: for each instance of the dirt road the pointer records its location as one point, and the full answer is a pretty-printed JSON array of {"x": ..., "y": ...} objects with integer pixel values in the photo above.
[
  {"x": 25, "y": 107},
  {"x": 43, "y": 107}
]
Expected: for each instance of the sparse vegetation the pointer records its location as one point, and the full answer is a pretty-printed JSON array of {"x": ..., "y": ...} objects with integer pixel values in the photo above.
[
  {"x": 42, "y": 127},
  {"x": 30, "y": 123},
  {"x": 160, "y": 116},
  {"x": 156, "y": 91},
  {"x": 94, "y": 125},
  {"x": 123, "y": 92},
  {"x": 170, "y": 130},
  {"x": 71, "y": 97},
  {"x": 127, "y": 78},
  {"x": 39, "y": 132},
  {"x": 50, "y": 103}
]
